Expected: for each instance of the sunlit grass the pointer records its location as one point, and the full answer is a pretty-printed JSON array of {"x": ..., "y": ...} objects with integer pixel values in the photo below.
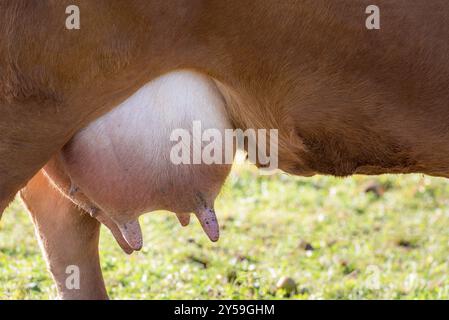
[{"x": 334, "y": 239}]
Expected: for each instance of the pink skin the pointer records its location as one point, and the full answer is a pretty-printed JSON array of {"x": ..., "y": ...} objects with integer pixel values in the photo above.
[
  {"x": 184, "y": 219},
  {"x": 119, "y": 167},
  {"x": 208, "y": 221}
]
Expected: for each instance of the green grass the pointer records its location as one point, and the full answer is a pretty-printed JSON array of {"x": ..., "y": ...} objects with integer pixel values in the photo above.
[{"x": 392, "y": 245}]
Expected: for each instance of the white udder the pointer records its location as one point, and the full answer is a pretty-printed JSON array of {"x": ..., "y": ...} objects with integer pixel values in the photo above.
[{"x": 121, "y": 161}]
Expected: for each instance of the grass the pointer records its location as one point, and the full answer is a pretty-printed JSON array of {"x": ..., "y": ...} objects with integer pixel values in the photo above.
[{"x": 356, "y": 238}]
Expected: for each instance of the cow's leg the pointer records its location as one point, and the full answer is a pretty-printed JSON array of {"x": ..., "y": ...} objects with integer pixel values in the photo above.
[
  {"x": 31, "y": 132},
  {"x": 68, "y": 237}
]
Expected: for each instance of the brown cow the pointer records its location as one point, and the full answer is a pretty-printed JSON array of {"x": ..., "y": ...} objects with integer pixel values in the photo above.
[{"x": 345, "y": 99}]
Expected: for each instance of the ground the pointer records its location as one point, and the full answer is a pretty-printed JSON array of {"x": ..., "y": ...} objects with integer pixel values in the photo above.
[{"x": 361, "y": 237}]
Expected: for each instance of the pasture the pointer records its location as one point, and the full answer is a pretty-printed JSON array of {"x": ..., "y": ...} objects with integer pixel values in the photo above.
[{"x": 380, "y": 237}]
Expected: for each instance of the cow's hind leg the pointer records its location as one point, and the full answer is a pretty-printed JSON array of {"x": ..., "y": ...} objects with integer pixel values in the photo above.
[
  {"x": 33, "y": 128},
  {"x": 69, "y": 239}
]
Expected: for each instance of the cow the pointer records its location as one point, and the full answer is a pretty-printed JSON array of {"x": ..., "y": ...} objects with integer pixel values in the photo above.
[{"x": 345, "y": 99}]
